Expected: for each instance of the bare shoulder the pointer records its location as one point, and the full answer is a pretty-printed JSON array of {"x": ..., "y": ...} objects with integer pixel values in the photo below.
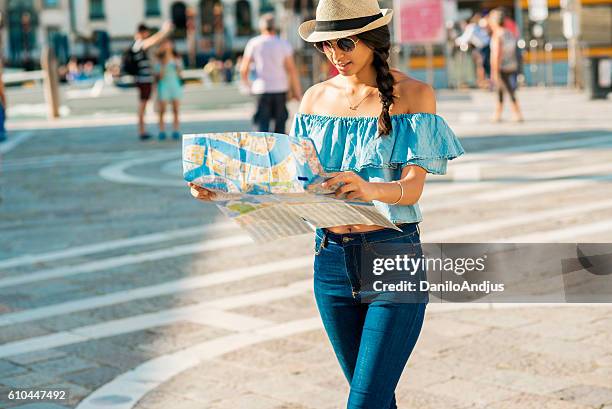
[
  {"x": 314, "y": 94},
  {"x": 413, "y": 95}
]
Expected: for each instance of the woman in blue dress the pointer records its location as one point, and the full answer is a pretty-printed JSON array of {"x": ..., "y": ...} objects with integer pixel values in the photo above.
[
  {"x": 169, "y": 87},
  {"x": 376, "y": 130}
]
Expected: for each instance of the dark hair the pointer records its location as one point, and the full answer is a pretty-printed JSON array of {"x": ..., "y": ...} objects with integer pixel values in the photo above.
[
  {"x": 379, "y": 40},
  {"x": 142, "y": 27},
  {"x": 267, "y": 22},
  {"x": 160, "y": 53}
]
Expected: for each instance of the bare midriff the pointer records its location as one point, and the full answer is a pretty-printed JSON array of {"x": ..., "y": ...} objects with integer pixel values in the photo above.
[{"x": 354, "y": 228}]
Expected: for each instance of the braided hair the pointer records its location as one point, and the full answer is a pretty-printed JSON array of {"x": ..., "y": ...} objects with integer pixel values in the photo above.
[{"x": 379, "y": 40}]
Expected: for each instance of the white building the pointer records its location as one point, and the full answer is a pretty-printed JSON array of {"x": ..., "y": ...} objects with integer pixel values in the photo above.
[{"x": 79, "y": 27}]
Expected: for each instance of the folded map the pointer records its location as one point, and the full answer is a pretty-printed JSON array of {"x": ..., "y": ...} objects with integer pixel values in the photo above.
[{"x": 270, "y": 183}]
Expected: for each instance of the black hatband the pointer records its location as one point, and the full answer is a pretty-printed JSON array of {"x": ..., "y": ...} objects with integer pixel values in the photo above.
[{"x": 346, "y": 24}]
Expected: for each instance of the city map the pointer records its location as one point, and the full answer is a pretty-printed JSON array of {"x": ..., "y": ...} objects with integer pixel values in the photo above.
[{"x": 270, "y": 183}]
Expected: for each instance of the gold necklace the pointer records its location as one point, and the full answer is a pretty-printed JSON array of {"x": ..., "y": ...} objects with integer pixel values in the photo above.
[{"x": 354, "y": 107}]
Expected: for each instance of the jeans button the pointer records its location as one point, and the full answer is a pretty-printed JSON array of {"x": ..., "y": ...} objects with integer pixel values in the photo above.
[{"x": 346, "y": 239}]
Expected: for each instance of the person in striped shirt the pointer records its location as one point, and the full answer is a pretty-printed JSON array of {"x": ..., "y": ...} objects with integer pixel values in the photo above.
[{"x": 143, "y": 41}]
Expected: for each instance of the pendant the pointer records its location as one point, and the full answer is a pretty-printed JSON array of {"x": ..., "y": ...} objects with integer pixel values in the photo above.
[{"x": 353, "y": 108}]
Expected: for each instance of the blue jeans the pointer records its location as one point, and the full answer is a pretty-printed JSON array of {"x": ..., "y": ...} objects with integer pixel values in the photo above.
[
  {"x": 271, "y": 106},
  {"x": 372, "y": 341}
]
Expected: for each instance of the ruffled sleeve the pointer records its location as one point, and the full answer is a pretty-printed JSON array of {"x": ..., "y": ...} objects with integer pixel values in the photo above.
[
  {"x": 425, "y": 140},
  {"x": 352, "y": 143}
]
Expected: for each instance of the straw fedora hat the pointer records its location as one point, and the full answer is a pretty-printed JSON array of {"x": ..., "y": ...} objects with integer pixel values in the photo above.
[{"x": 344, "y": 18}]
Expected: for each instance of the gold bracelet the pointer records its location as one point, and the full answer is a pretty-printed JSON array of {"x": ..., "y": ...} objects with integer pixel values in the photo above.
[{"x": 401, "y": 194}]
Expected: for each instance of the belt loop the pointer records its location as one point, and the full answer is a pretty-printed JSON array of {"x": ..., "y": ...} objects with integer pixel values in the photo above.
[
  {"x": 418, "y": 229},
  {"x": 324, "y": 240}
]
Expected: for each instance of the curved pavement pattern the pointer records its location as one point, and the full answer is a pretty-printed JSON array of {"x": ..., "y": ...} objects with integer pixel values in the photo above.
[{"x": 119, "y": 288}]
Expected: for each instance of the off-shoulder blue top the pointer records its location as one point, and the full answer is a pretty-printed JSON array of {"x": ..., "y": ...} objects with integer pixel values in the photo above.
[{"x": 352, "y": 143}]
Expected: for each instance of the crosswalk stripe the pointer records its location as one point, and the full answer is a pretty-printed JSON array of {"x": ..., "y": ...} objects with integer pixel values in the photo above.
[
  {"x": 552, "y": 155},
  {"x": 573, "y": 233},
  {"x": 533, "y": 180},
  {"x": 116, "y": 244},
  {"x": 14, "y": 141},
  {"x": 459, "y": 231},
  {"x": 72, "y": 159},
  {"x": 495, "y": 153},
  {"x": 166, "y": 288},
  {"x": 534, "y": 150},
  {"x": 198, "y": 312},
  {"x": 128, "y": 259},
  {"x": 498, "y": 191},
  {"x": 209, "y": 316},
  {"x": 534, "y": 189}
]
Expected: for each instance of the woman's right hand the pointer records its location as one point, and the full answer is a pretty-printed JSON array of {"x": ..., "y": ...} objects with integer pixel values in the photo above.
[{"x": 201, "y": 193}]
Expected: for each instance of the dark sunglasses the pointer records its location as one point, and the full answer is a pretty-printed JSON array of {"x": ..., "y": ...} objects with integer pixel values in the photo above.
[{"x": 346, "y": 45}]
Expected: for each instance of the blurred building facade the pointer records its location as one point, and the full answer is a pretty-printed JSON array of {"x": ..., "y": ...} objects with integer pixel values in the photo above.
[{"x": 96, "y": 28}]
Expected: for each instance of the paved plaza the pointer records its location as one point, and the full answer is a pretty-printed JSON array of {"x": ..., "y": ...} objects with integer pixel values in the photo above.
[{"x": 120, "y": 288}]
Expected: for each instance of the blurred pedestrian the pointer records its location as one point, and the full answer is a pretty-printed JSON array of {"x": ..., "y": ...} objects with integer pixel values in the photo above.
[
  {"x": 485, "y": 52},
  {"x": 220, "y": 70},
  {"x": 276, "y": 75},
  {"x": 112, "y": 69},
  {"x": 143, "y": 41},
  {"x": 74, "y": 70},
  {"x": 476, "y": 37},
  {"x": 228, "y": 70},
  {"x": 2, "y": 107},
  {"x": 510, "y": 25},
  {"x": 88, "y": 69},
  {"x": 212, "y": 70},
  {"x": 461, "y": 70},
  {"x": 504, "y": 64},
  {"x": 168, "y": 71}
]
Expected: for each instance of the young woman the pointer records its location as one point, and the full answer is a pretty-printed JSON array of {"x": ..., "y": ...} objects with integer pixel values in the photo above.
[
  {"x": 504, "y": 65},
  {"x": 377, "y": 130},
  {"x": 169, "y": 87}
]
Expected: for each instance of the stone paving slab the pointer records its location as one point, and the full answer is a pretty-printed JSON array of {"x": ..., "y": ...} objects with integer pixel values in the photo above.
[
  {"x": 61, "y": 366},
  {"x": 30, "y": 379},
  {"x": 32, "y": 357},
  {"x": 105, "y": 352},
  {"x": 8, "y": 368}
]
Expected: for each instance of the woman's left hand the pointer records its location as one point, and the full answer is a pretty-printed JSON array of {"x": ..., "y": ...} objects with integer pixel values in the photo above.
[{"x": 352, "y": 185}]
